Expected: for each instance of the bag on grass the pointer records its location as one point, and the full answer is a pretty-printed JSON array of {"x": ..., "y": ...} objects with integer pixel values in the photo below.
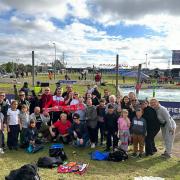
[
  {"x": 100, "y": 156},
  {"x": 34, "y": 149},
  {"x": 26, "y": 172},
  {"x": 57, "y": 150},
  {"x": 49, "y": 162},
  {"x": 118, "y": 155}
]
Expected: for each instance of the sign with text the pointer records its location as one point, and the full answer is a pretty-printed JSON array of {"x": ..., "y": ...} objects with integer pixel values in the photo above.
[
  {"x": 173, "y": 108},
  {"x": 175, "y": 57}
]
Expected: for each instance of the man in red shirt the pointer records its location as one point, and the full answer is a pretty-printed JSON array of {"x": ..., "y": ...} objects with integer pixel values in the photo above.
[{"x": 59, "y": 130}]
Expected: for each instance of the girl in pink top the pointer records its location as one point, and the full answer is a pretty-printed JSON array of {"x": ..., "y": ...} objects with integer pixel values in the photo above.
[{"x": 123, "y": 129}]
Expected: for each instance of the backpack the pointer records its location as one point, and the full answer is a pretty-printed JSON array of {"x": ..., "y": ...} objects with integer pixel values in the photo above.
[
  {"x": 49, "y": 162},
  {"x": 26, "y": 172},
  {"x": 100, "y": 156},
  {"x": 118, "y": 155},
  {"x": 56, "y": 150}
]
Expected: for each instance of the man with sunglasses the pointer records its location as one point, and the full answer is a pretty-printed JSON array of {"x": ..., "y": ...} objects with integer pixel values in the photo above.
[
  {"x": 22, "y": 100},
  {"x": 79, "y": 132}
]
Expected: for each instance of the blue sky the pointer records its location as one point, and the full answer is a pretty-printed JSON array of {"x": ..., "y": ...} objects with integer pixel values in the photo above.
[{"x": 90, "y": 32}]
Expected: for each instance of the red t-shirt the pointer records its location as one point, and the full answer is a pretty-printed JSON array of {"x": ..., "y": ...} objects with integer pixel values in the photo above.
[{"x": 62, "y": 128}]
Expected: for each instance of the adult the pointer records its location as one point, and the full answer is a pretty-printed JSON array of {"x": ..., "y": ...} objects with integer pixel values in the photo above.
[
  {"x": 106, "y": 95},
  {"x": 96, "y": 92},
  {"x": 62, "y": 129},
  {"x": 37, "y": 88},
  {"x": 41, "y": 120},
  {"x": 46, "y": 98},
  {"x": 81, "y": 112},
  {"x": 57, "y": 101},
  {"x": 22, "y": 100},
  {"x": 3, "y": 109},
  {"x": 112, "y": 102},
  {"x": 79, "y": 132},
  {"x": 168, "y": 126},
  {"x": 25, "y": 88},
  {"x": 91, "y": 120},
  {"x": 153, "y": 127},
  {"x": 98, "y": 78},
  {"x": 35, "y": 101},
  {"x": 68, "y": 90}
]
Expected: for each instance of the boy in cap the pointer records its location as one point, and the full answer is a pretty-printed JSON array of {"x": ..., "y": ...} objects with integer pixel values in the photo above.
[
  {"x": 111, "y": 127},
  {"x": 139, "y": 133}
]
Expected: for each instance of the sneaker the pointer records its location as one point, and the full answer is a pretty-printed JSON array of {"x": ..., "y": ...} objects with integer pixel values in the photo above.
[
  {"x": 93, "y": 145},
  {"x": 1, "y": 151},
  {"x": 166, "y": 155},
  {"x": 134, "y": 155}
]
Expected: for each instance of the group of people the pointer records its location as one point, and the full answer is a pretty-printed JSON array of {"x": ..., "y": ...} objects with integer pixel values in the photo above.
[{"x": 85, "y": 120}]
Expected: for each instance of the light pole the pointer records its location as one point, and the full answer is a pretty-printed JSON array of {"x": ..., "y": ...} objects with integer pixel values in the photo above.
[
  {"x": 54, "y": 59},
  {"x": 146, "y": 61}
]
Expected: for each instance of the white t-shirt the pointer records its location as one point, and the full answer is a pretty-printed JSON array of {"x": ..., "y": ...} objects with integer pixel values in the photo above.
[
  {"x": 13, "y": 116},
  {"x": 74, "y": 102}
]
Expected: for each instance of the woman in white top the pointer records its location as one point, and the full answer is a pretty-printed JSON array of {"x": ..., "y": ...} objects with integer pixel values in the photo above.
[{"x": 13, "y": 126}]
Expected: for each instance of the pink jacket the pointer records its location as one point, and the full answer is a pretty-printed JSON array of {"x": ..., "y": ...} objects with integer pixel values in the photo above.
[{"x": 123, "y": 124}]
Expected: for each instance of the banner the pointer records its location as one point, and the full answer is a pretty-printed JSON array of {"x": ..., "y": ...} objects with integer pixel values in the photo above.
[
  {"x": 173, "y": 108},
  {"x": 175, "y": 57}
]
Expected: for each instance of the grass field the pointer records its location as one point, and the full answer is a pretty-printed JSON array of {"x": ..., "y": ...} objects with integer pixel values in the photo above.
[{"x": 147, "y": 166}]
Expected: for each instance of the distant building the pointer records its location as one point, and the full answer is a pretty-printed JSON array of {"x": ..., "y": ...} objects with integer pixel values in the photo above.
[{"x": 175, "y": 73}]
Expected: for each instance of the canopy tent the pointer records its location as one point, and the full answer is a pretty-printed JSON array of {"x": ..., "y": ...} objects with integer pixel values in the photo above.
[{"x": 135, "y": 74}]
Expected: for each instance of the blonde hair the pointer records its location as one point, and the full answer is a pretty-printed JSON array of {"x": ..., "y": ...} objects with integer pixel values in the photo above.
[{"x": 63, "y": 114}]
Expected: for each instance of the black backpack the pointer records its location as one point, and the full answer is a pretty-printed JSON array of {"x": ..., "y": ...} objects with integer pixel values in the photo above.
[
  {"x": 118, "y": 155},
  {"x": 57, "y": 150},
  {"x": 49, "y": 162},
  {"x": 26, "y": 172}
]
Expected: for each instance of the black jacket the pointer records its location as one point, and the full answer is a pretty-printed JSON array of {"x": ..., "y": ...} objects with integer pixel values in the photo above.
[
  {"x": 110, "y": 121},
  {"x": 80, "y": 129},
  {"x": 31, "y": 135},
  {"x": 151, "y": 119}
]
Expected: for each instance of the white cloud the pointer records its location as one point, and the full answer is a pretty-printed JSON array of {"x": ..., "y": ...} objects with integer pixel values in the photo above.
[{"x": 32, "y": 25}]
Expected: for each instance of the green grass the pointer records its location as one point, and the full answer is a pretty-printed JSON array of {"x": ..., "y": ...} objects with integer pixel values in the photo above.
[{"x": 147, "y": 166}]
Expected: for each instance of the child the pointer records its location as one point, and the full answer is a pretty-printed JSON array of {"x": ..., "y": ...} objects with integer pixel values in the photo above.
[
  {"x": 24, "y": 123},
  {"x": 101, "y": 113},
  {"x": 123, "y": 129},
  {"x": 79, "y": 132},
  {"x": 91, "y": 120},
  {"x": 139, "y": 133},
  {"x": 111, "y": 127},
  {"x": 13, "y": 126},
  {"x": 1, "y": 132},
  {"x": 31, "y": 137}
]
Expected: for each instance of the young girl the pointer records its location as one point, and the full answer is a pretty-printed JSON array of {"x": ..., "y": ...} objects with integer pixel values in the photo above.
[
  {"x": 123, "y": 129},
  {"x": 13, "y": 127},
  {"x": 24, "y": 120}
]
